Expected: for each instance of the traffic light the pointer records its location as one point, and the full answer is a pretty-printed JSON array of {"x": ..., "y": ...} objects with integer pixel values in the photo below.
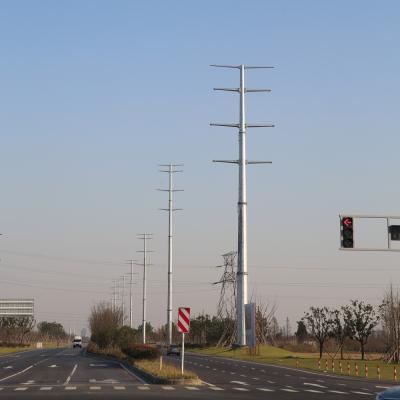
[
  {"x": 346, "y": 227},
  {"x": 394, "y": 231}
]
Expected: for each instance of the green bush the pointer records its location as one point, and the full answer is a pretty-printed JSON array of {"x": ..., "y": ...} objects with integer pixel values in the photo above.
[
  {"x": 125, "y": 336},
  {"x": 141, "y": 351}
]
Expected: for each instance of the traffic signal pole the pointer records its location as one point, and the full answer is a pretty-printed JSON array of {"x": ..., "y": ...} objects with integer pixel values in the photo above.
[{"x": 242, "y": 162}]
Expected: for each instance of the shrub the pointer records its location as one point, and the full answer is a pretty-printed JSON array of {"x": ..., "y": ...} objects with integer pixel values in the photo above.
[
  {"x": 141, "y": 351},
  {"x": 125, "y": 336}
]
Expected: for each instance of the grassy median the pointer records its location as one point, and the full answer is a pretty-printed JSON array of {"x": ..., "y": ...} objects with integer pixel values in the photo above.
[{"x": 371, "y": 369}]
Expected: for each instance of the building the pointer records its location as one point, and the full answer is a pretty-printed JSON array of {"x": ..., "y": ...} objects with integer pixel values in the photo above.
[{"x": 17, "y": 307}]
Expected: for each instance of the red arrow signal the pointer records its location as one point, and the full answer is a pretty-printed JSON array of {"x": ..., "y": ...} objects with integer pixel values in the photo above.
[{"x": 347, "y": 222}]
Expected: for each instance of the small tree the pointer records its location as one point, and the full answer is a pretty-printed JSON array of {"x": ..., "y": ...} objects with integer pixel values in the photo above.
[
  {"x": 361, "y": 319},
  {"x": 104, "y": 322},
  {"x": 319, "y": 323},
  {"x": 301, "y": 333},
  {"x": 339, "y": 329}
]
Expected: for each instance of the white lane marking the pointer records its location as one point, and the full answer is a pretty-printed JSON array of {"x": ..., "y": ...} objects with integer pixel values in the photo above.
[
  {"x": 131, "y": 373},
  {"x": 8, "y": 367},
  {"x": 20, "y": 388},
  {"x": 314, "y": 384},
  {"x": 167, "y": 387},
  {"x": 256, "y": 379},
  {"x": 214, "y": 369},
  {"x": 1, "y": 389},
  {"x": 94, "y": 387},
  {"x": 71, "y": 374},
  {"x": 191, "y": 388},
  {"x": 252, "y": 368},
  {"x": 142, "y": 388},
  {"x": 17, "y": 373},
  {"x": 223, "y": 371},
  {"x": 342, "y": 384},
  {"x": 240, "y": 383},
  {"x": 208, "y": 384},
  {"x": 287, "y": 375},
  {"x": 98, "y": 365},
  {"x": 266, "y": 390},
  {"x": 263, "y": 370},
  {"x": 337, "y": 391},
  {"x": 243, "y": 376},
  {"x": 313, "y": 391},
  {"x": 216, "y": 388},
  {"x": 123, "y": 387},
  {"x": 70, "y": 387},
  {"x": 241, "y": 389},
  {"x": 28, "y": 382},
  {"x": 320, "y": 380},
  {"x": 46, "y": 388},
  {"x": 382, "y": 387},
  {"x": 232, "y": 373},
  {"x": 367, "y": 394},
  {"x": 53, "y": 366},
  {"x": 290, "y": 390},
  {"x": 271, "y": 382}
]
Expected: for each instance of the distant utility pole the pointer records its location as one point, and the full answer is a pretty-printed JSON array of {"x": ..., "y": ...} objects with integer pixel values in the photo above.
[
  {"x": 170, "y": 171},
  {"x": 131, "y": 262},
  {"x": 115, "y": 295},
  {"x": 123, "y": 300},
  {"x": 144, "y": 237},
  {"x": 242, "y": 162}
]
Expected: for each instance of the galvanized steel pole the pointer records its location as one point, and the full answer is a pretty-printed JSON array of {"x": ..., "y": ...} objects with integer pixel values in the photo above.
[{"x": 242, "y": 273}]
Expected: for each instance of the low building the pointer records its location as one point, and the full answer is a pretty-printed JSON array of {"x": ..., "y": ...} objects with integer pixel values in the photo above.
[{"x": 17, "y": 307}]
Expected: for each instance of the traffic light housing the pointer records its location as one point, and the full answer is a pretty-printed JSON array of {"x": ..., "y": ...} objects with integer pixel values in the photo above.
[
  {"x": 394, "y": 231},
  {"x": 346, "y": 237}
]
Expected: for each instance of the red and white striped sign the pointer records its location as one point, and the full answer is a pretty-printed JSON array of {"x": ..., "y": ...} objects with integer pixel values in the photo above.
[{"x": 184, "y": 319}]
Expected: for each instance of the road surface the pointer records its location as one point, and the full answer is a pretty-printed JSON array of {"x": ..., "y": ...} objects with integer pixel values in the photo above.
[{"x": 71, "y": 373}]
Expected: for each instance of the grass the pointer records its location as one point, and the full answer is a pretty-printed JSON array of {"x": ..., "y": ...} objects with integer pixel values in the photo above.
[
  {"x": 168, "y": 371},
  {"x": 273, "y": 355}
]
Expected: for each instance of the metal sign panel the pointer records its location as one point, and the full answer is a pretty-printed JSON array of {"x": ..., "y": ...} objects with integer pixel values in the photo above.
[
  {"x": 184, "y": 319},
  {"x": 250, "y": 315}
]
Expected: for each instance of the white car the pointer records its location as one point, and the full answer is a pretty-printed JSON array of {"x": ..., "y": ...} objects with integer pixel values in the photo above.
[{"x": 77, "y": 342}]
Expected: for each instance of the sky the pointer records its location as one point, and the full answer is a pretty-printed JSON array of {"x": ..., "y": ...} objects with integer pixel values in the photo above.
[{"x": 94, "y": 95}]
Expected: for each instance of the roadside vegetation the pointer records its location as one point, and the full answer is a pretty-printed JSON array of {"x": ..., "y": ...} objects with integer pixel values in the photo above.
[{"x": 111, "y": 338}]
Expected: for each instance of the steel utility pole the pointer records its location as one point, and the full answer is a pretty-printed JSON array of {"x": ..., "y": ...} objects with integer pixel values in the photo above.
[
  {"x": 144, "y": 237},
  {"x": 242, "y": 162},
  {"x": 115, "y": 295},
  {"x": 123, "y": 300},
  {"x": 170, "y": 171},
  {"x": 130, "y": 294}
]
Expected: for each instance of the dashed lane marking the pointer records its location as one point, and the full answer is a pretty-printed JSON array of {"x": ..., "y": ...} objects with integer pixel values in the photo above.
[
  {"x": 47, "y": 388},
  {"x": 290, "y": 390},
  {"x": 240, "y": 389},
  {"x": 70, "y": 387},
  {"x": 366, "y": 394},
  {"x": 382, "y": 387},
  {"x": 94, "y": 387},
  {"x": 337, "y": 392},
  {"x": 266, "y": 390},
  {"x": 314, "y": 384},
  {"x": 20, "y": 389},
  {"x": 240, "y": 383},
  {"x": 271, "y": 382},
  {"x": 167, "y": 388},
  {"x": 313, "y": 391},
  {"x": 191, "y": 388},
  {"x": 123, "y": 387},
  {"x": 216, "y": 388}
]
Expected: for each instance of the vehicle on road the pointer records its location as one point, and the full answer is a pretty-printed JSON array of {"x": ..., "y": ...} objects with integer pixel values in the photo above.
[
  {"x": 173, "y": 350},
  {"x": 77, "y": 342},
  {"x": 392, "y": 393}
]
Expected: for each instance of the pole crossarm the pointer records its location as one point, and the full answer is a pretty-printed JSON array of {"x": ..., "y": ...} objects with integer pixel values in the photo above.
[
  {"x": 246, "y": 125},
  {"x": 173, "y": 190},
  {"x": 239, "y": 66},
  {"x": 245, "y": 90},
  {"x": 237, "y": 162}
]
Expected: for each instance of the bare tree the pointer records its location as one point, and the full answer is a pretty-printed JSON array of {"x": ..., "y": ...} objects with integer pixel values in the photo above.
[
  {"x": 361, "y": 319},
  {"x": 390, "y": 316},
  {"x": 319, "y": 324},
  {"x": 339, "y": 329},
  {"x": 265, "y": 314}
]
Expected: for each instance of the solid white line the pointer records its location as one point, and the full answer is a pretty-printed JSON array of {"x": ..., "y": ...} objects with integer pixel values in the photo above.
[
  {"x": 70, "y": 375},
  {"x": 17, "y": 373},
  {"x": 131, "y": 373}
]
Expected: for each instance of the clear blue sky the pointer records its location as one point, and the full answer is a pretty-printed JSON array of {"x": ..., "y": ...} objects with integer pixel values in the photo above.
[{"x": 95, "y": 94}]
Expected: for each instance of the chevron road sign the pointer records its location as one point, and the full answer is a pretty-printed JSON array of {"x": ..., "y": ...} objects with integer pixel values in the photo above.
[{"x": 184, "y": 319}]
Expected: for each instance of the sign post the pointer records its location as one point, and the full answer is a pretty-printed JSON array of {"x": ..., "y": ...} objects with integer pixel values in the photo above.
[{"x": 183, "y": 327}]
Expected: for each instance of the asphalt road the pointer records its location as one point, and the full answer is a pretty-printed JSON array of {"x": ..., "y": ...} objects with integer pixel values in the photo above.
[{"x": 70, "y": 373}]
